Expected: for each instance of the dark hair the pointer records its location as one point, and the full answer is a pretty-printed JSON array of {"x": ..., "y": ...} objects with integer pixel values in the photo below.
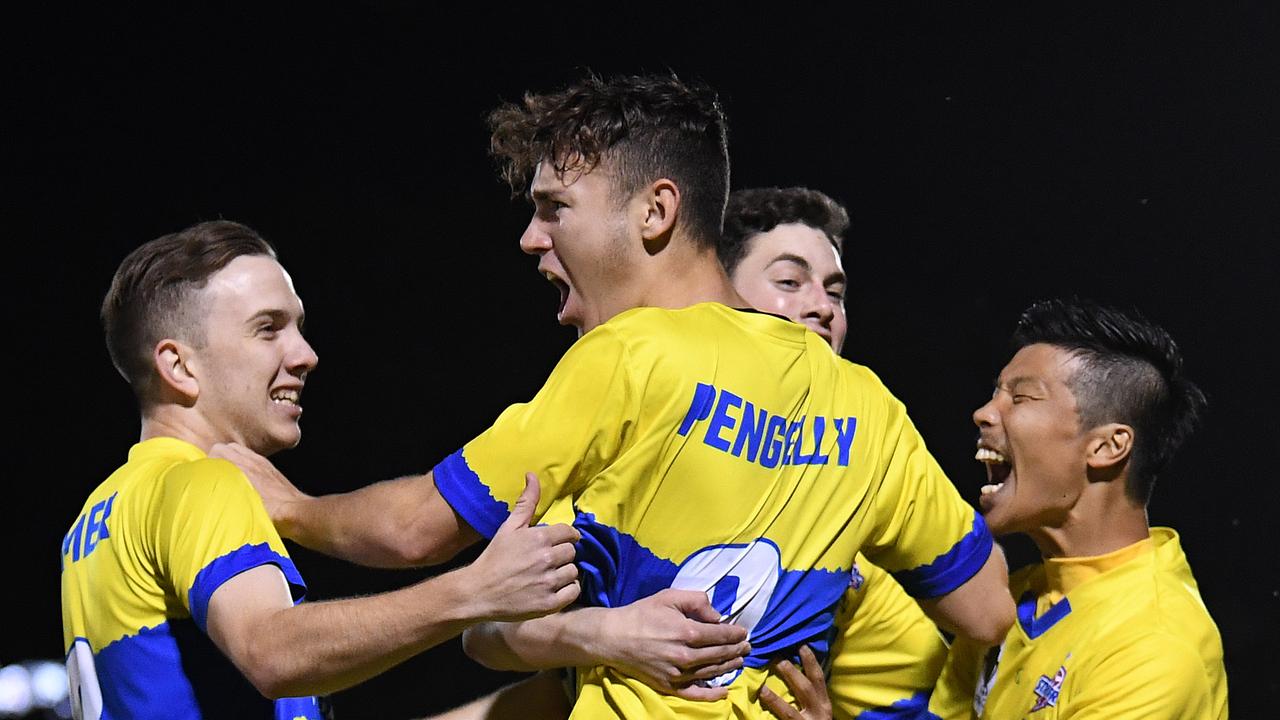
[
  {"x": 1131, "y": 372},
  {"x": 642, "y": 127},
  {"x": 151, "y": 294},
  {"x": 759, "y": 210}
]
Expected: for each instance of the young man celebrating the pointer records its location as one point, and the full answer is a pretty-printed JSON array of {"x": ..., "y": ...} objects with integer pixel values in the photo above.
[
  {"x": 174, "y": 559},
  {"x": 1083, "y": 420},
  {"x": 781, "y": 249},
  {"x": 705, "y": 447}
]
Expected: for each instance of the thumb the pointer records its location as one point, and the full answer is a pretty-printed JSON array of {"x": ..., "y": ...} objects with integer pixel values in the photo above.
[
  {"x": 694, "y": 605},
  {"x": 526, "y": 504}
]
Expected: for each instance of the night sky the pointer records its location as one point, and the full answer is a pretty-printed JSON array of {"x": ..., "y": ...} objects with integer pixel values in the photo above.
[{"x": 988, "y": 159}]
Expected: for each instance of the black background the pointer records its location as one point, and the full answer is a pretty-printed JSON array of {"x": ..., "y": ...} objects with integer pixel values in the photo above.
[{"x": 988, "y": 157}]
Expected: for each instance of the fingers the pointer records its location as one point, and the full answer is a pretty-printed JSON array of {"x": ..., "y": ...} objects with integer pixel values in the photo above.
[
  {"x": 791, "y": 675},
  {"x": 693, "y": 603},
  {"x": 706, "y": 635},
  {"x": 777, "y": 705},
  {"x": 812, "y": 670},
  {"x": 711, "y": 671},
  {"x": 522, "y": 513}
]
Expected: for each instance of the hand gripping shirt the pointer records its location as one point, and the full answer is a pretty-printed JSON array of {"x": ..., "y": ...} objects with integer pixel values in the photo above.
[
  {"x": 139, "y": 565},
  {"x": 1120, "y": 636},
  {"x": 730, "y": 452},
  {"x": 886, "y": 655}
]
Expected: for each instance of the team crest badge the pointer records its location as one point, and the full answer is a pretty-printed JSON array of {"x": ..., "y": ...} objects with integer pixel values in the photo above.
[
  {"x": 856, "y": 579},
  {"x": 1047, "y": 689}
]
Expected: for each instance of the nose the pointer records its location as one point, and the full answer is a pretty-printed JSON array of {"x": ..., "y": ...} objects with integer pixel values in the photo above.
[
  {"x": 535, "y": 240},
  {"x": 302, "y": 358},
  {"x": 818, "y": 305},
  {"x": 987, "y": 415}
]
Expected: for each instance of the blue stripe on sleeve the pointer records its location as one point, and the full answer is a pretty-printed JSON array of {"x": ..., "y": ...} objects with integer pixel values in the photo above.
[
  {"x": 915, "y": 707},
  {"x": 224, "y": 568},
  {"x": 951, "y": 569},
  {"x": 467, "y": 494}
]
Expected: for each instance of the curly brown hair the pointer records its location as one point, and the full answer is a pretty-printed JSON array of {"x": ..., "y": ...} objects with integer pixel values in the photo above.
[{"x": 641, "y": 127}]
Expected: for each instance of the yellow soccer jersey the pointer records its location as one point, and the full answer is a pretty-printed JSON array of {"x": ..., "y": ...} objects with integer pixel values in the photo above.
[
  {"x": 726, "y": 451},
  {"x": 887, "y": 654},
  {"x": 139, "y": 565},
  {"x": 1131, "y": 638}
]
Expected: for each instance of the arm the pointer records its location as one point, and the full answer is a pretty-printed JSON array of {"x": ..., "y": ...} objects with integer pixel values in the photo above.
[
  {"x": 396, "y": 523},
  {"x": 982, "y": 608},
  {"x": 317, "y": 648},
  {"x": 669, "y": 641}
]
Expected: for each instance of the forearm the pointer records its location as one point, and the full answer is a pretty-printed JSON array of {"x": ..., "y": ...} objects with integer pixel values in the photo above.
[
  {"x": 564, "y": 639},
  {"x": 323, "y": 647},
  {"x": 395, "y": 523},
  {"x": 982, "y": 608}
]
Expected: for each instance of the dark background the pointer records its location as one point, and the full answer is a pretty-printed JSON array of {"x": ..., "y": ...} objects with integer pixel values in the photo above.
[{"x": 988, "y": 159}]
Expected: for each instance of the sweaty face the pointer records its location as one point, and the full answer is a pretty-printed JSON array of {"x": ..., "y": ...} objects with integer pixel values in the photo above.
[
  {"x": 794, "y": 271},
  {"x": 254, "y": 361},
  {"x": 579, "y": 233},
  {"x": 1032, "y": 442}
]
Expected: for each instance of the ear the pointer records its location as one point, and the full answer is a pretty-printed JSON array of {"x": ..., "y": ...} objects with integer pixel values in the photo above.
[
  {"x": 174, "y": 363},
  {"x": 661, "y": 205},
  {"x": 1109, "y": 445}
]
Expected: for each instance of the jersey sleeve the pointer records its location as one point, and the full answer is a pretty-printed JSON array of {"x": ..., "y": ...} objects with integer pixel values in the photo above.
[
  {"x": 887, "y": 654},
  {"x": 927, "y": 535},
  {"x": 1155, "y": 677},
  {"x": 211, "y": 527},
  {"x": 575, "y": 425}
]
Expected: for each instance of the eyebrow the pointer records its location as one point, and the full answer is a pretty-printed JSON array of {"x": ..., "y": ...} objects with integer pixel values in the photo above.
[
  {"x": 277, "y": 316},
  {"x": 1018, "y": 380},
  {"x": 788, "y": 257},
  {"x": 541, "y": 195}
]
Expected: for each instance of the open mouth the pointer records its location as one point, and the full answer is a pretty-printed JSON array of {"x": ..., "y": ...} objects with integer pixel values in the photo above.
[
  {"x": 999, "y": 471},
  {"x": 563, "y": 287},
  {"x": 288, "y": 398}
]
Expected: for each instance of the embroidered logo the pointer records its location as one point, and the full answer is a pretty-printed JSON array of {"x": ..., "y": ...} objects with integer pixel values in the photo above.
[
  {"x": 1047, "y": 689},
  {"x": 856, "y": 580}
]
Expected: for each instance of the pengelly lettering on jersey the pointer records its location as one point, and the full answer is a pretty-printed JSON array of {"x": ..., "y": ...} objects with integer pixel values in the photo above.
[{"x": 782, "y": 441}]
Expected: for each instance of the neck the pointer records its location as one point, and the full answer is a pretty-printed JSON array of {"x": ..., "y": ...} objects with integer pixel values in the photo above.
[
  {"x": 689, "y": 276},
  {"x": 1099, "y": 523},
  {"x": 181, "y": 423}
]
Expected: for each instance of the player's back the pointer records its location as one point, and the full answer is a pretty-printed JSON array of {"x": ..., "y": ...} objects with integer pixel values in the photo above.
[{"x": 732, "y": 452}]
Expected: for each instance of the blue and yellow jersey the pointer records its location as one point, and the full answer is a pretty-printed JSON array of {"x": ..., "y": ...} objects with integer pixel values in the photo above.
[
  {"x": 1118, "y": 636},
  {"x": 886, "y": 655},
  {"x": 139, "y": 565},
  {"x": 726, "y": 451}
]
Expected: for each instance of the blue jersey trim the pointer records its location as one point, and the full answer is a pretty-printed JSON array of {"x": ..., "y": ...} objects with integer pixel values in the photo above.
[
  {"x": 141, "y": 676},
  {"x": 298, "y": 708},
  {"x": 222, "y": 569},
  {"x": 462, "y": 488},
  {"x": 951, "y": 569},
  {"x": 1034, "y": 626},
  {"x": 616, "y": 570},
  {"x": 915, "y": 707}
]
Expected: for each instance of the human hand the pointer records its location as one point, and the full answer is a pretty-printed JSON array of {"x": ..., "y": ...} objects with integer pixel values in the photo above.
[
  {"x": 526, "y": 572},
  {"x": 670, "y": 641},
  {"x": 809, "y": 688},
  {"x": 276, "y": 490}
]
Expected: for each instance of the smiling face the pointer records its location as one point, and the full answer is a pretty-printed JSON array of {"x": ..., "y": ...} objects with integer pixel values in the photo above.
[
  {"x": 793, "y": 270},
  {"x": 1032, "y": 442},
  {"x": 254, "y": 359},
  {"x": 580, "y": 234}
]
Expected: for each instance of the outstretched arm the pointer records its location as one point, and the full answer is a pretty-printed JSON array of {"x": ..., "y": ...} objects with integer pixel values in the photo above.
[
  {"x": 321, "y": 647},
  {"x": 395, "y": 523},
  {"x": 669, "y": 641}
]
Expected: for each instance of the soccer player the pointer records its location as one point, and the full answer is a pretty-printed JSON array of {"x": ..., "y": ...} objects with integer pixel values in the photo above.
[
  {"x": 174, "y": 558},
  {"x": 705, "y": 447},
  {"x": 1084, "y": 418},
  {"x": 781, "y": 248}
]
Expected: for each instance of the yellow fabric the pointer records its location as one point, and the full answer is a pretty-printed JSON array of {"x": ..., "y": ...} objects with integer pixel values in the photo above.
[
  {"x": 1137, "y": 642},
  {"x": 645, "y": 424}
]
